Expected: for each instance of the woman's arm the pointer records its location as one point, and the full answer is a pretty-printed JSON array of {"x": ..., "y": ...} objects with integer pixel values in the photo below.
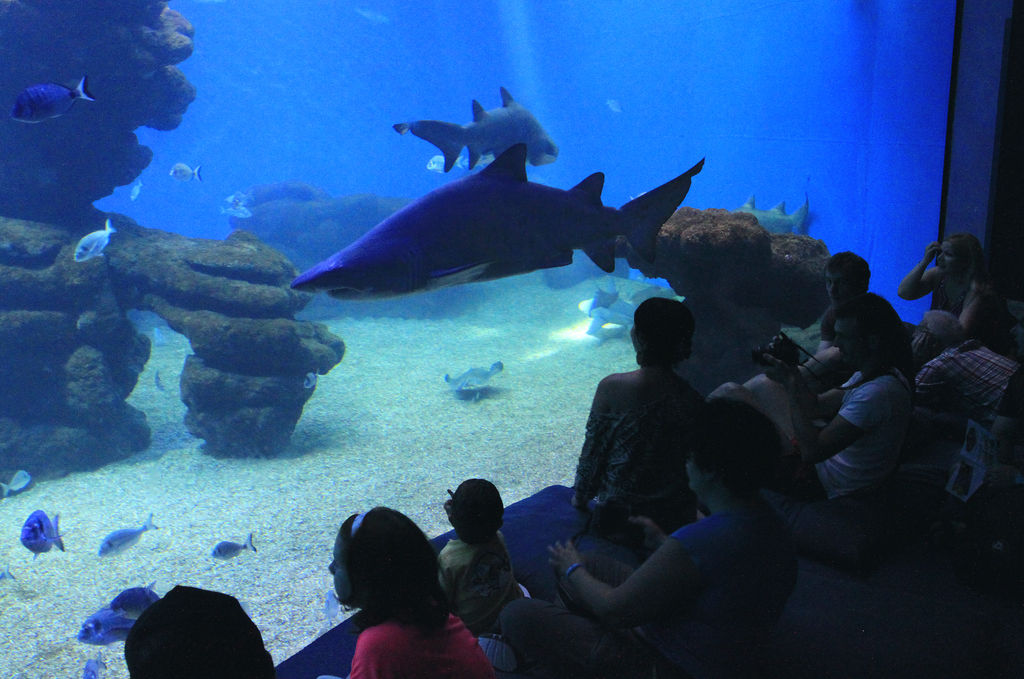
[
  {"x": 662, "y": 583},
  {"x": 592, "y": 458},
  {"x": 919, "y": 281}
]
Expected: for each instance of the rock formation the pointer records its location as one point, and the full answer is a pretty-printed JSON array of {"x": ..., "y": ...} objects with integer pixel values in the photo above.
[
  {"x": 740, "y": 281},
  {"x": 53, "y": 170},
  {"x": 72, "y": 357}
]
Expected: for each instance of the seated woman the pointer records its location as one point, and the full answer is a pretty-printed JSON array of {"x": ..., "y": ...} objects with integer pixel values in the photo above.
[
  {"x": 960, "y": 284},
  {"x": 702, "y": 601},
  {"x": 639, "y": 421},
  {"x": 385, "y": 566}
]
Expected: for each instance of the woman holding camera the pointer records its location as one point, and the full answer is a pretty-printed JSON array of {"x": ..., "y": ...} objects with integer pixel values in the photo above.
[{"x": 639, "y": 423}]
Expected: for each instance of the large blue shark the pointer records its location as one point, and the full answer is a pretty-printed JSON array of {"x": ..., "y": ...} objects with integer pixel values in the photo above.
[
  {"x": 491, "y": 132},
  {"x": 491, "y": 225}
]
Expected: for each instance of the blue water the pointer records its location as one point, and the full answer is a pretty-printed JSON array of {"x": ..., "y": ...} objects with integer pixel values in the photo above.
[{"x": 842, "y": 101}]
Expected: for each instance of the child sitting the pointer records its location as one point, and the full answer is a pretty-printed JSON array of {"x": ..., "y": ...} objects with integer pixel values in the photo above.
[{"x": 475, "y": 569}]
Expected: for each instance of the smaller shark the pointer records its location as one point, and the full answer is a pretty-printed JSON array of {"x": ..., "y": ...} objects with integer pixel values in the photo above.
[
  {"x": 776, "y": 220},
  {"x": 491, "y": 132}
]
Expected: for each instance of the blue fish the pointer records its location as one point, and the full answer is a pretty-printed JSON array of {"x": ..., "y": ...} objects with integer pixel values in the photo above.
[
  {"x": 39, "y": 534},
  {"x": 48, "y": 100},
  {"x": 94, "y": 668},
  {"x": 131, "y": 602},
  {"x": 120, "y": 540},
  {"x": 226, "y": 550},
  {"x": 491, "y": 225},
  {"x": 104, "y": 627}
]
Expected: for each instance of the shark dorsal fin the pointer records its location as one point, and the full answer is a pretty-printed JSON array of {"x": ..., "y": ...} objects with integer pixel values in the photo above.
[
  {"x": 749, "y": 205},
  {"x": 478, "y": 112},
  {"x": 590, "y": 188},
  {"x": 511, "y": 164},
  {"x": 506, "y": 98},
  {"x": 780, "y": 208}
]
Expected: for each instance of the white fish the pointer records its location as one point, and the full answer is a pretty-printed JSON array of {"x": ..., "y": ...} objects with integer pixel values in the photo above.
[
  {"x": 92, "y": 244},
  {"x": 184, "y": 173},
  {"x": 371, "y": 16},
  {"x": 19, "y": 481},
  {"x": 136, "y": 189},
  {"x": 436, "y": 163},
  {"x": 240, "y": 211},
  {"x": 120, "y": 540},
  {"x": 613, "y": 105},
  {"x": 310, "y": 381}
]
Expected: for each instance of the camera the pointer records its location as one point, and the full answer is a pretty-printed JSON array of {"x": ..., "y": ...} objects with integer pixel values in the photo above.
[{"x": 779, "y": 347}]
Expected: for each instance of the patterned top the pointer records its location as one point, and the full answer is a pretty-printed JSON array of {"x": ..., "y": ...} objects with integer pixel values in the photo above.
[
  {"x": 968, "y": 378},
  {"x": 638, "y": 456}
]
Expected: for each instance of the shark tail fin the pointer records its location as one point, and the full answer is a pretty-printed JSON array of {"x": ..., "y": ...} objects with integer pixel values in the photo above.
[
  {"x": 448, "y": 137},
  {"x": 646, "y": 213},
  {"x": 800, "y": 217}
]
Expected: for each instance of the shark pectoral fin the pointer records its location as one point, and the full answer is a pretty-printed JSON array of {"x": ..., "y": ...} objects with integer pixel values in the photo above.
[
  {"x": 780, "y": 208},
  {"x": 478, "y": 112},
  {"x": 448, "y": 137},
  {"x": 509, "y": 165},
  {"x": 506, "y": 98},
  {"x": 457, "y": 275},
  {"x": 602, "y": 254},
  {"x": 590, "y": 188}
]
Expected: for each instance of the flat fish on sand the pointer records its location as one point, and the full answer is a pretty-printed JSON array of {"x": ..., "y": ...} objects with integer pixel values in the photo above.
[{"x": 472, "y": 384}]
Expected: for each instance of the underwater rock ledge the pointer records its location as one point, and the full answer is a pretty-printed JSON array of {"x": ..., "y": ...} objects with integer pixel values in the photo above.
[
  {"x": 72, "y": 356},
  {"x": 53, "y": 170}
]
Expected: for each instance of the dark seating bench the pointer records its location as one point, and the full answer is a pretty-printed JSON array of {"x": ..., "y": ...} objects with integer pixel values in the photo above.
[{"x": 909, "y": 617}]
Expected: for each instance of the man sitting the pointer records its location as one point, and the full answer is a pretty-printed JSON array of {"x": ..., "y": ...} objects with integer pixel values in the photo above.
[{"x": 958, "y": 379}]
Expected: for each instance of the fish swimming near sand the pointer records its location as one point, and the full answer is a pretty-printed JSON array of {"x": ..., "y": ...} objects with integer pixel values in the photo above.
[
  {"x": 133, "y": 601},
  {"x": 92, "y": 244},
  {"x": 491, "y": 225},
  {"x": 48, "y": 100},
  {"x": 228, "y": 550},
  {"x": 493, "y": 132},
  {"x": 472, "y": 384},
  {"x": 19, "y": 482},
  {"x": 39, "y": 534},
  {"x": 776, "y": 220},
  {"x": 94, "y": 668},
  {"x": 120, "y": 540},
  {"x": 104, "y": 627}
]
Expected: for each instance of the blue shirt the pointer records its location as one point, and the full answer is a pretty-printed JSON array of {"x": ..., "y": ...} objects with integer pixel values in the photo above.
[{"x": 747, "y": 565}]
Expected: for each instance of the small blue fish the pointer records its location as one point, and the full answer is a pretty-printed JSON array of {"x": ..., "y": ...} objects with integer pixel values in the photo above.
[
  {"x": 120, "y": 540},
  {"x": 310, "y": 381},
  {"x": 94, "y": 668},
  {"x": 18, "y": 483},
  {"x": 92, "y": 244},
  {"x": 48, "y": 100},
  {"x": 104, "y": 627},
  {"x": 226, "y": 550},
  {"x": 131, "y": 602},
  {"x": 7, "y": 575},
  {"x": 156, "y": 380},
  {"x": 39, "y": 534}
]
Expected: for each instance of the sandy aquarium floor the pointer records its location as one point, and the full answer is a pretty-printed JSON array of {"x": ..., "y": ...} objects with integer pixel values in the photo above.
[{"x": 382, "y": 429}]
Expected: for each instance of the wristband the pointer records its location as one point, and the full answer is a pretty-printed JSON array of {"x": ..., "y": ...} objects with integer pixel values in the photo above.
[{"x": 570, "y": 569}]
